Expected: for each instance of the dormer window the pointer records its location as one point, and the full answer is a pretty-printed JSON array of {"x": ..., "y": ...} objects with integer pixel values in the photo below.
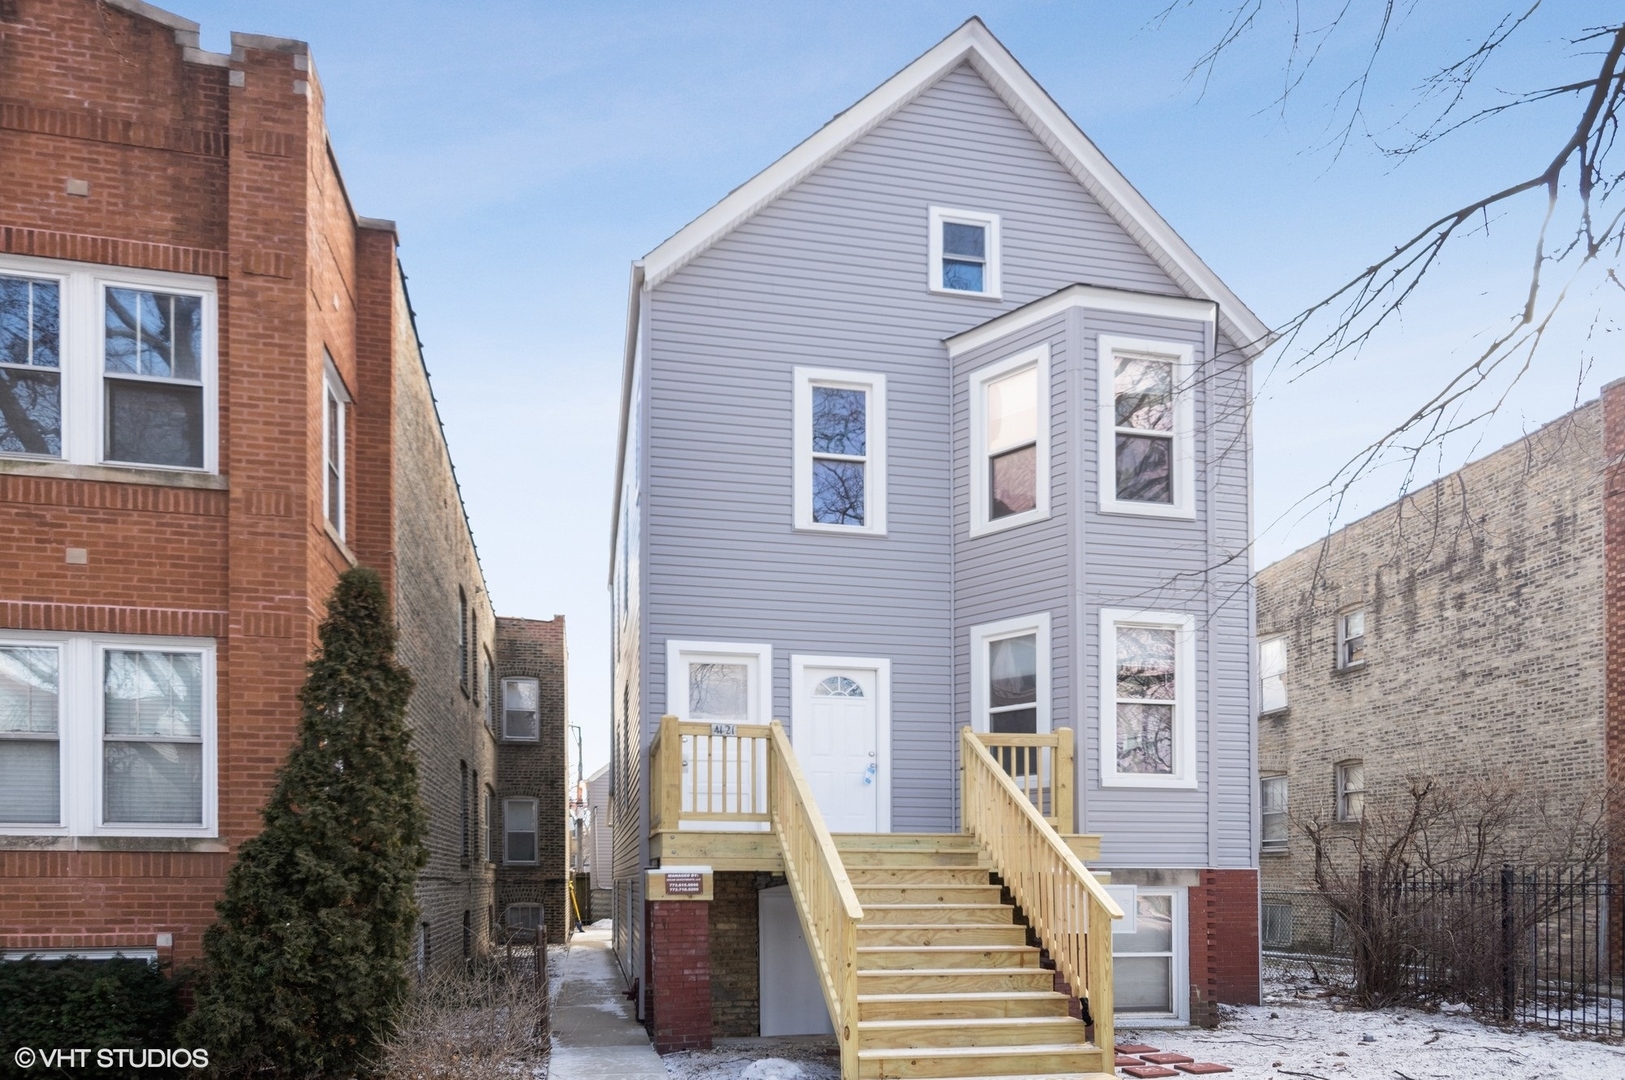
[{"x": 964, "y": 252}]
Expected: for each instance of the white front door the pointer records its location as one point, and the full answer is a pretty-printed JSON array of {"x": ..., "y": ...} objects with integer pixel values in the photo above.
[{"x": 837, "y": 739}]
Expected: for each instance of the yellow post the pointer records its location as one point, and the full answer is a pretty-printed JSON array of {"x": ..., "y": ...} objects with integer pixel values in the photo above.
[
  {"x": 669, "y": 780},
  {"x": 1065, "y": 773},
  {"x": 1099, "y": 943}
]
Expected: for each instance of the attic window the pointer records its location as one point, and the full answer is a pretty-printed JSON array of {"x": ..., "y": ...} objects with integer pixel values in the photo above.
[{"x": 964, "y": 253}]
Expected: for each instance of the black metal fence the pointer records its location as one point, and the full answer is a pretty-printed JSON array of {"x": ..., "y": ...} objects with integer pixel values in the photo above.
[{"x": 1543, "y": 947}]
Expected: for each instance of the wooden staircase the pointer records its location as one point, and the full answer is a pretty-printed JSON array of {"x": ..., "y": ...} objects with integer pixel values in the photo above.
[{"x": 947, "y": 983}]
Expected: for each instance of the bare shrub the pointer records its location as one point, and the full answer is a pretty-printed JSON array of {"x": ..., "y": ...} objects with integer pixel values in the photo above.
[{"x": 488, "y": 1019}]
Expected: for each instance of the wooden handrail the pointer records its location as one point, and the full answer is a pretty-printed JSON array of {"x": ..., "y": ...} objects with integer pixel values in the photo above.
[
  {"x": 1066, "y": 907},
  {"x": 726, "y": 777},
  {"x": 825, "y": 900},
  {"x": 1042, "y": 767}
]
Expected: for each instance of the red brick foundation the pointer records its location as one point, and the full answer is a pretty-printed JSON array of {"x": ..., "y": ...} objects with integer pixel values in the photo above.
[
  {"x": 677, "y": 966},
  {"x": 1223, "y": 943}
]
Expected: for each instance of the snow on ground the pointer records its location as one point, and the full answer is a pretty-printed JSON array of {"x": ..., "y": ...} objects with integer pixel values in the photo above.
[
  {"x": 793, "y": 1058},
  {"x": 1302, "y": 1034}
]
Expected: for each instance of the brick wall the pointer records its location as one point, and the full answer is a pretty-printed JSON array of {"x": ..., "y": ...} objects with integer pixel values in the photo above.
[
  {"x": 1484, "y": 606},
  {"x": 1613, "y": 399},
  {"x": 677, "y": 963},
  {"x": 220, "y": 166},
  {"x": 535, "y": 648},
  {"x": 735, "y": 964}
]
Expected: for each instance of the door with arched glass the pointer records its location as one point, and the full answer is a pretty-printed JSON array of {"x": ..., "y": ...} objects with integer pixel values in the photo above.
[{"x": 836, "y": 726}]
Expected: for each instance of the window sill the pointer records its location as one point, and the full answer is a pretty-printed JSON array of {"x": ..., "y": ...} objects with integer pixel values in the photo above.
[
  {"x": 338, "y": 542},
  {"x": 1350, "y": 669},
  {"x": 1150, "y": 510},
  {"x": 113, "y": 474},
  {"x": 114, "y": 843},
  {"x": 1276, "y": 714},
  {"x": 1274, "y": 853},
  {"x": 961, "y": 292},
  {"x": 981, "y": 528},
  {"x": 840, "y": 530}
]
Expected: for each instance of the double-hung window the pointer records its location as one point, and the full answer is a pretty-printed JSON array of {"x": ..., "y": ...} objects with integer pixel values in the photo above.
[
  {"x": 519, "y": 830},
  {"x": 334, "y": 402},
  {"x": 1147, "y": 460},
  {"x": 1350, "y": 790},
  {"x": 1148, "y": 676},
  {"x": 964, "y": 253},
  {"x": 102, "y": 735},
  {"x": 1009, "y": 437},
  {"x": 1272, "y": 675},
  {"x": 1273, "y": 799},
  {"x": 521, "y": 710},
  {"x": 840, "y": 451},
  {"x": 1010, "y": 675},
  {"x": 107, "y": 366},
  {"x": 1351, "y": 638}
]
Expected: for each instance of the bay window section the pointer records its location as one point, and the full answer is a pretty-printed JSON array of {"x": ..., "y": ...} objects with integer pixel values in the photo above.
[
  {"x": 1010, "y": 673},
  {"x": 1148, "y": 726},
  {"x": 1146, "y": 458},
  {"x": 30, "y": 740},
  {"x": 840, "y": 451},
  {"x": 1009, "y": 481},
  {"x": 154, "y": 378},
  {"x": 30, "y": 366}
]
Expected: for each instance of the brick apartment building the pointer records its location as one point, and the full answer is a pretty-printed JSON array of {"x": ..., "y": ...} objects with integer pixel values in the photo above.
[
  {"x": 212, "y": 403},
  {"x": 1464, "y": 632}
]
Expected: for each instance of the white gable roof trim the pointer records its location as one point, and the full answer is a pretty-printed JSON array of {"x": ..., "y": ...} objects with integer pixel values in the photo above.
[
  {"x": 973, "y": 43},
  {"x": 1098, "y": 297}
]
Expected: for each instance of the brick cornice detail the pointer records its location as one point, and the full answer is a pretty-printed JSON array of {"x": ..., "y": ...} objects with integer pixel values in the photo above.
[
  {"x": 111, "y": 619},
  {"x": 100, "y": 127},
  {"x": 111, "y": 251}
]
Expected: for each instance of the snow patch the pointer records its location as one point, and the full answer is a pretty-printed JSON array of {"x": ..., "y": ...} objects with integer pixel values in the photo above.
[{"x": 773, "y": 1069}]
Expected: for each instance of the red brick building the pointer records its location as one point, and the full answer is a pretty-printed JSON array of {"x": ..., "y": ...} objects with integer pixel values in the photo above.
[{"x": 212, "y": 402}]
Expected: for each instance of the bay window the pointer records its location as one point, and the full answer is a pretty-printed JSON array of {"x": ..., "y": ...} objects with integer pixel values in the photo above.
[
  {"x": 1147, "y": 460},
  {"x": 1147, "y": 710},
  {"x": 1009, "y": 435}
]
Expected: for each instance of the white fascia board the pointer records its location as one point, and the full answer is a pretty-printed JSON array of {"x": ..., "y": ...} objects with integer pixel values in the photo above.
[
  {"x": 975, "y": 43},
  {"x": 1100, "y": 298},
  {"x": 634, "y": 314}
]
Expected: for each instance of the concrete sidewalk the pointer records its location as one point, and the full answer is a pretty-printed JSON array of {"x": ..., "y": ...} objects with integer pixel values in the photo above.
[{"x": 596, "y": 1034}]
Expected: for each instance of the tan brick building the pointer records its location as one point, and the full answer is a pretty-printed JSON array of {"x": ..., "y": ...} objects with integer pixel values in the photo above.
[
  {"x": 212, "y": 402},
  {"x": 1458, "y": 633}
]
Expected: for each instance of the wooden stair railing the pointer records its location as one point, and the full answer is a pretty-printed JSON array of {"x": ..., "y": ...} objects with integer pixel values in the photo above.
[
  {"x": 715, "y": 773},
  {"x": 825, "y": 900},
  {"x": 1067, "y": 908},
  {"x": 1042, "y": 767}
]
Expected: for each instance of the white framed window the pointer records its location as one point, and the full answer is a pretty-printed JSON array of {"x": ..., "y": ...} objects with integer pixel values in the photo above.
[
  {"x": 1010, "y": 442},
  {"x": 1351, "y": 638},
  {"x": 964, "y": 253},
  {"x": 1349, "y": 780},
  {"x": 1010, "y": 675},
  {"x": 519, "y": 831},
  {"x": 721, "y": 681},
  {"x": 1150, "y": 966},
  {"x": 1148, "y": 699},
  {"x": 1272, "y": 801},
  {"x": 107, "y": 365},
  {"x": 493, "y": 839},
  {"x": 335, "y": 402},
  {"x": 840, "y": 451},
  {"x": 1272, "y": 675},
  {"x": 107, "y": 735},
  {"x": 1147, "y": 445},
  {"x": 521, "y": 710}
]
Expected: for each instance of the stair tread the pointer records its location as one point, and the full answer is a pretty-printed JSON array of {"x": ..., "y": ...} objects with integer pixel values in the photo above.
[
  {"x": 965, "y": 995},
  {"x": 948, "y": 948},
  {"x": 990, "y": 971},
  {"x": 938, "y": 926},
  {"x": 937, "y": 907},
  {"x": 936, "y": 1023},
  {"x": 987, "y": 1051}
]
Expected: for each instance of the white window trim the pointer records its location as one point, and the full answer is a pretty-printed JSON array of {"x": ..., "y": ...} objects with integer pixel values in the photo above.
[
  {"x": 1342, "y": 639},
  {"x": 502, "y": 731},
  {"x": 1273, "y": 846},
  {"x": 1264, "y": 677},
  {"x": 79, "y": 734},
  {"x": 981, "y": 637},
  {"x": 83, "y": 362},
  {"x": 535, "y": 830},
  {"x": 799, "y": 732},
  {"x": 1342, "y": 791},
  {"x": 1184, "y": 449},
  {"x": 119, "y": 952},
  {"x": 757, "y": 658},
  {"x": 874, "y": 494},
  {"x": 981, "y": 523},
  {"x": 333, "y": 389},
  {"x": 1184, "y": 774},
  {"x": 1179, "y": 973},
  {"x": 992, "y": 277}
]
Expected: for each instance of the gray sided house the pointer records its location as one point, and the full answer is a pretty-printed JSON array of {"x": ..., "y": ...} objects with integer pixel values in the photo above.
[{"x": 935, "y": 423}]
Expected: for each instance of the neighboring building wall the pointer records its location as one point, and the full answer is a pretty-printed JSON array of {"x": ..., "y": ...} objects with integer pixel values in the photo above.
[
  {"x": 1613, "y": 402},
  {"x": 1483, "y": 639},
  {"x": 535, "y": 648},
  {"x": 125, "y": 148}
]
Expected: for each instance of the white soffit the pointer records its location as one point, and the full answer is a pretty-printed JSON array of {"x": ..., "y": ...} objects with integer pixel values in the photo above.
[
  {"x": 1097, "y": 297},
  {"x": 975, "y": 44}
]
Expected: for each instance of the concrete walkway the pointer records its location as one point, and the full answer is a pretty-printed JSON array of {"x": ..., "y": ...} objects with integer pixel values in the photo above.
[{"x": 596, "y": 1035}]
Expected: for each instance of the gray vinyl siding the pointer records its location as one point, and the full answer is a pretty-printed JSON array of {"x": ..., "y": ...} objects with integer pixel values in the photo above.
[{"x": 833, "y": 274}]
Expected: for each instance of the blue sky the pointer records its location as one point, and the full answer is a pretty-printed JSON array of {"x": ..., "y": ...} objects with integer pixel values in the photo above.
[{"x": 530, "y": 151}]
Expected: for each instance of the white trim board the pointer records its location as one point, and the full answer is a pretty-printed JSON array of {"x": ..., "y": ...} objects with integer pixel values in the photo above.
[
  {"x": 1096, "y": 297},
  {"x": 981, "y": 635},
  {"x": 758, "y": 658},
  {"x": 975, "y": 44},
  {"x": 799, "y": 663}
]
